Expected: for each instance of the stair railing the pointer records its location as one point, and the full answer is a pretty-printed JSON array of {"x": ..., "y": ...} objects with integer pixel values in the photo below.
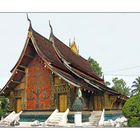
[
  {"x": 51, "y": 116},
  {"x": 101, "y": 122},
  {"x": 64, "y": 117}
]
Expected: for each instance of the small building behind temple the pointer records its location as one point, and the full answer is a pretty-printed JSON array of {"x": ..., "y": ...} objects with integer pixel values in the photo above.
[{"x": 48, "y": 75}]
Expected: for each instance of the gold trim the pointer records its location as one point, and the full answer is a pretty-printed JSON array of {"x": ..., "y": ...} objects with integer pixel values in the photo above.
[
  {"x": 74, "y": 48},
  {"x": 29, "y": 34}
]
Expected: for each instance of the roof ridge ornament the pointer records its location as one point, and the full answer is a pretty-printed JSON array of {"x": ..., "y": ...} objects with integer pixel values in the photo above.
[
  {"x": 51, "y": 33},
  {"x": 74, "y": 48},
  {"x": 30, "y": 23},
  {"x": 51, "y": 27}
]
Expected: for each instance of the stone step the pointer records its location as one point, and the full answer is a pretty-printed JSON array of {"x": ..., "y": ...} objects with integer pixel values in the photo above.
[
  {"x": 55, "y": 120},
  {"x": 95, "y": 117},
  {"x": 58, "y": 116}
]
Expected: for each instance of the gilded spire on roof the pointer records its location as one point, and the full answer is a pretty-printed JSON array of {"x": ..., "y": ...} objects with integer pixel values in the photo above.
[{"x": 74, "y": 47}]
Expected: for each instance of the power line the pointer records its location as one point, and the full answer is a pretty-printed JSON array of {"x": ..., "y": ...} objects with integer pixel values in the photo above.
[
  {"x": 124, "y": 69},
  {"x": 127, "y": 75}
]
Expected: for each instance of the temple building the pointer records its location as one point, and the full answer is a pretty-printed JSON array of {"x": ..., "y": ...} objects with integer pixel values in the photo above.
[{"x": 48, "y": 75}]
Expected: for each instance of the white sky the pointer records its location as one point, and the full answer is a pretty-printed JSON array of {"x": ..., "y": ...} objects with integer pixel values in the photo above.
[{"x": 113, "y": 39}]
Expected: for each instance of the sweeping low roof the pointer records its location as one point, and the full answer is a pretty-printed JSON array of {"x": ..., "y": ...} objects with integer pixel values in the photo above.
[{"x": 60, "y": 59}]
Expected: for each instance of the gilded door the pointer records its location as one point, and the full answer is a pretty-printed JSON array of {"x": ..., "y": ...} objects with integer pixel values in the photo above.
[
  {"x": 62, "y": 102},
  {"x": 18, "y": 105}
]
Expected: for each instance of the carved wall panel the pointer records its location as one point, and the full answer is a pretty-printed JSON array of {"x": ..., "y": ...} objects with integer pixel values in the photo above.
[
  {"x": 38, "y": 85},
  {"x": 73, "y": 91},
  {"x": 60, "y": 89}
]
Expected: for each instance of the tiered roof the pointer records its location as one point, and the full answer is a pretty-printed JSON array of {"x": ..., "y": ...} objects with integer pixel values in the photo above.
[{"x": 58, "y": 57}]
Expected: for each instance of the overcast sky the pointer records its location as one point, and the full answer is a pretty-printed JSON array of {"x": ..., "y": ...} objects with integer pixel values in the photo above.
[{"x": 113, "y": 39}]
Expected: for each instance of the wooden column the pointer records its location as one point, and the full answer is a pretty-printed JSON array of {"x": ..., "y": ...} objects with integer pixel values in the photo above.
[
  {"x": 107, "y": 101},
  {"x": 112, "y": 101},
  {"x": 12, "y": 101},
  {"x": 91, "y": 102},
  {"x": 25, "y": 95},
  {"x": 18, "y": 104}
]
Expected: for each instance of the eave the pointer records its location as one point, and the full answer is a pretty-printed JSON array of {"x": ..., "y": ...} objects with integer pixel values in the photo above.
[
  {"x": 14, "y": 80},
  {"x": 22, "y": 53},
  {"x": 59, "y": 65}
]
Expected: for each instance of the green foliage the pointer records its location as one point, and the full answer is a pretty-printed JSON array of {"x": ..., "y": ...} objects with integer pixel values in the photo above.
[
  {"x": 131, "y": 110},
  {"x": 107, "y": 83},
  {"x": 78, "y": 104},
  {"x": 3, "y": 106},
  {"x": 120, "y": 86},
  {"x": 131, "y": 107},
  {"x": 2, "y": 112},
  {"x": 134, "y": 122},
  {"x": 136, "y": 86},
  {"x": 95, "y": 66}
]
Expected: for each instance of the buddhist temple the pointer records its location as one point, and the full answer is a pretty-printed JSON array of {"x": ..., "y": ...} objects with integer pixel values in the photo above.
[{"x": 48, "y": 75}]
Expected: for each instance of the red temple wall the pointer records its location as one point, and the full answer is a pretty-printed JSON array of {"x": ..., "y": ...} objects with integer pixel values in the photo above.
[{"x": 38, "y": 86}]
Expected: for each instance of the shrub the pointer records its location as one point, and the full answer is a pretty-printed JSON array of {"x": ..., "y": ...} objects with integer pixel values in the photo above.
[
  {"x": 3, "y": 106},
  {"x": 2, "y": 113},
  {"x": 132, "y": 107},
  {"x": 131, "y": 110},
  {"x": 134, "y": 122}
]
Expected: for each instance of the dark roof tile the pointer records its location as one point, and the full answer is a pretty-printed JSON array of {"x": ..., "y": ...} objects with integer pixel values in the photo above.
[{"x": 75, "y": 61}]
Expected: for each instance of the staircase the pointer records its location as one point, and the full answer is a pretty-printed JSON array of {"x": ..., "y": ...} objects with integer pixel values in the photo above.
[
  {"x": 95, "y": 118},
  {"x": 11, "y": 120},
  {"x": 57, "y": 118}
]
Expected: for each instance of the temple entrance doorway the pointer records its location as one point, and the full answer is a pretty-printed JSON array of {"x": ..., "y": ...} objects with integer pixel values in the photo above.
[{"x": 62, "y": 102}]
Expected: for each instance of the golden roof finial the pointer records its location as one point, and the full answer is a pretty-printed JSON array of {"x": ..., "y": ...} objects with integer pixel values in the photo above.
[{"x": 74, "y": 47}]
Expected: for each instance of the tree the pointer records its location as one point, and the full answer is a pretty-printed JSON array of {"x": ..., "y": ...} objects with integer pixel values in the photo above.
[
  {"x": 3, "y": 106},
  {"x": 120, "y": 86},
  {"x": 95, "y": 66},
  {"x": 136, "y": 86},
  {"x": 107, "y": 83},
  {"x": 131, "y": 110}
]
